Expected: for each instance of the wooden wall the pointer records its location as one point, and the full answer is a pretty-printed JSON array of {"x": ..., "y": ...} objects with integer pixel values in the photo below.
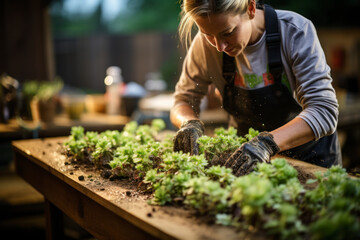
[
  {"x": 82, "y": 62},
  {"x": 25, "y": 42},
  {"x": 28, "y": 51}
]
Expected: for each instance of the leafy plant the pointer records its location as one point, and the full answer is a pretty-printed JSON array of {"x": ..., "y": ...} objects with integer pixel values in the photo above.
[
  {"x": 223, "y": 142},
  {"x": 270, "y": 199},
  {"x": 206, "y": 196},
  {"x": 30, "y": 89},
  {"x": 42, "y": 90}
]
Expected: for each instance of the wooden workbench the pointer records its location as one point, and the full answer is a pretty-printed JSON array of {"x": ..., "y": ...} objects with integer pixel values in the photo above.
[
  {"x": 17, "y": 129},
  {"x": 106, "y": 209}
]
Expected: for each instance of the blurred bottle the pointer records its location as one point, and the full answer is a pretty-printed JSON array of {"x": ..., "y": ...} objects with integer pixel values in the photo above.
[
  {"x": 114, "y": 87},
  {"x": 154, "y": 83}
]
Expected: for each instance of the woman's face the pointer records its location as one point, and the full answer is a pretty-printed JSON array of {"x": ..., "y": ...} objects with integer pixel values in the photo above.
[{"x": 226, "y": 32}]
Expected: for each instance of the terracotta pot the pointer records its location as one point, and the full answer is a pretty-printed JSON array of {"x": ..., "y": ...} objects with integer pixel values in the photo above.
[
  {"x": 43, "y": 110},
  {"x": 95, "y": 103}
]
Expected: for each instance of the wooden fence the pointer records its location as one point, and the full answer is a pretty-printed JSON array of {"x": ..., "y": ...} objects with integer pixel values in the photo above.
[{"x": 82, "y": 62}]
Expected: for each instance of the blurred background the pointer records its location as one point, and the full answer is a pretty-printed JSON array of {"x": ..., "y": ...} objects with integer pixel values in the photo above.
[{"x": 102, "y": 63}]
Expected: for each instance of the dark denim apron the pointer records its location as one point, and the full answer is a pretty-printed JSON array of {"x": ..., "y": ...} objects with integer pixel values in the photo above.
[{"x": 272, "y": 106}]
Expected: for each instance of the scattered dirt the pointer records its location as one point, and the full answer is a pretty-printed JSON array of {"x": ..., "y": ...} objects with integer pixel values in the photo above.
[
  {"x": 126, "y": 194},
  {"x": 303, "y": 176},
  {"x": 135, "y": 189}
]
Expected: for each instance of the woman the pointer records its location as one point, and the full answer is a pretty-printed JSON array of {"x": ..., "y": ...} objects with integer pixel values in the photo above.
[{"x": 272, "y": 74}]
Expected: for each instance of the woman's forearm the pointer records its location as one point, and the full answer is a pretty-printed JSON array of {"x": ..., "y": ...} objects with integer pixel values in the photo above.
[
  {"x": 182, "y": 113},
  {"x": 293, "y": 134}
]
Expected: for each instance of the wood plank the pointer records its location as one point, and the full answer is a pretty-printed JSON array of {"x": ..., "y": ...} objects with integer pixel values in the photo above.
[
  {"x": 24, "y": 42},
  {"x": 101, "y": 206},
  {"x": 62, "y": 126},
  {"x": 54, "y": 222},
  {"x": 81, "y": 206}
]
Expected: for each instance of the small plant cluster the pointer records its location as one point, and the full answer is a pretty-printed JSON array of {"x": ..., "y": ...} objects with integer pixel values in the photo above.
[
  {"x": 130, "y": 153},
  {"x": 271, "y": 198},
  {"x": 216, "y": 149},
  {"x": 42, "y": 90}
]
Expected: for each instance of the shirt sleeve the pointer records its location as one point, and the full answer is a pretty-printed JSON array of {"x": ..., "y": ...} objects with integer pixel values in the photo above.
[
  {"x": 194, "y": 81},
  {"x": 314, "y": 87}
]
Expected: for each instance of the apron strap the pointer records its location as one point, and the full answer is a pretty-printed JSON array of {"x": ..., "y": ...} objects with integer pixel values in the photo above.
[
  {"x": 273, "y": 48},
  {"x": 273, "y": 43},
  {"x": 229, "y": 69}
]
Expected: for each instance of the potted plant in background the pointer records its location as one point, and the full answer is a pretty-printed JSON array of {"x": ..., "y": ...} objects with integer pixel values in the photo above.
[
  {"x": 28, "y": 92},
  {"x": 43, "y": 100}
]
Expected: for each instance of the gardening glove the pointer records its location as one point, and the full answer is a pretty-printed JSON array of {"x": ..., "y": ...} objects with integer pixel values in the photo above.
[
  {"x": 185, "y": 139},
  {"x": 258, "y": 150}
]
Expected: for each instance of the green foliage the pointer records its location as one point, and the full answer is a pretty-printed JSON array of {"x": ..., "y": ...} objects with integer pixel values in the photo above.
[
  {"x": 340, "y": 225},
  {"x": 42, "y": 90},
  {"x": 138, "y": 16},
  {"x": 278, "y": 172},
  {"x": 251, "y": 193},
  {"x": 160, "y": 15},
  {"x": 271, "y": 198},
  {"x": 30, "y": 89},
  {"x": 158, "y": 125},
  {"x": 206, "y": 196},
  {"x": 285, "y": 222},
  {"x": 221, "y": 174},
  {"x": 149, "y": 15},
  {"x": 49, "y": 89},
  {"x": 65, "y": 23},
  {"x": 335, "y": 203},
  {"x": 76, "y": 145},
  {"x": 102, "y": 150},
  {"x": 223, "y": 141}
]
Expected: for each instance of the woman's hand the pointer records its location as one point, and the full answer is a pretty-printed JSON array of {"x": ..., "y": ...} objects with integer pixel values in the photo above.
[
  {"x": 259, "y": 149},
  {"x": 186, "y": 138}
]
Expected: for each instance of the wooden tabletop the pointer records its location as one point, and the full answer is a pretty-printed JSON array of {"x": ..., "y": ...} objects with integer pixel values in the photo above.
[
  {"x": 109, "y": 209},
  {"x": 106, "y": 209},
  {"x": 61, "y": 126}
]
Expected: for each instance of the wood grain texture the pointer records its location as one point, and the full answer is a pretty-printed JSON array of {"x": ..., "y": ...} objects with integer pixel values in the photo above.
[{"x": 101, "y": 206}]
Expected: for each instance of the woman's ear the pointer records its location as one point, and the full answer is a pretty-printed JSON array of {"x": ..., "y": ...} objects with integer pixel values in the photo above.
[{"x": 251, "y": 9}]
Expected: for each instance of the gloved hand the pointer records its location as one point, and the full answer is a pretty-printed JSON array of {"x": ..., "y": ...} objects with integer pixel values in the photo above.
[
  {"x": 185, "y": 139},
  {"x": 259, "y": 149}
]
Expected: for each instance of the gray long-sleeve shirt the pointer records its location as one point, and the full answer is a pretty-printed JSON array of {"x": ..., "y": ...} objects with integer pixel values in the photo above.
[{"x": 306, "y": 72}]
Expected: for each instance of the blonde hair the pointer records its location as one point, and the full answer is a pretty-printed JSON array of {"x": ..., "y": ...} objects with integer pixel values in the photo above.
[{"x": 193, "y": 8}]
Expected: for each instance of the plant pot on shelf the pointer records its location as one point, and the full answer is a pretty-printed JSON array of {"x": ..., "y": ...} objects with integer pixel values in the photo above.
[
  {"x": 95, "y": 103},
  {"x": 42, "y": 110},
  {"x": 43, "y": 95},
  {"x": 73, "y": 105}
]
